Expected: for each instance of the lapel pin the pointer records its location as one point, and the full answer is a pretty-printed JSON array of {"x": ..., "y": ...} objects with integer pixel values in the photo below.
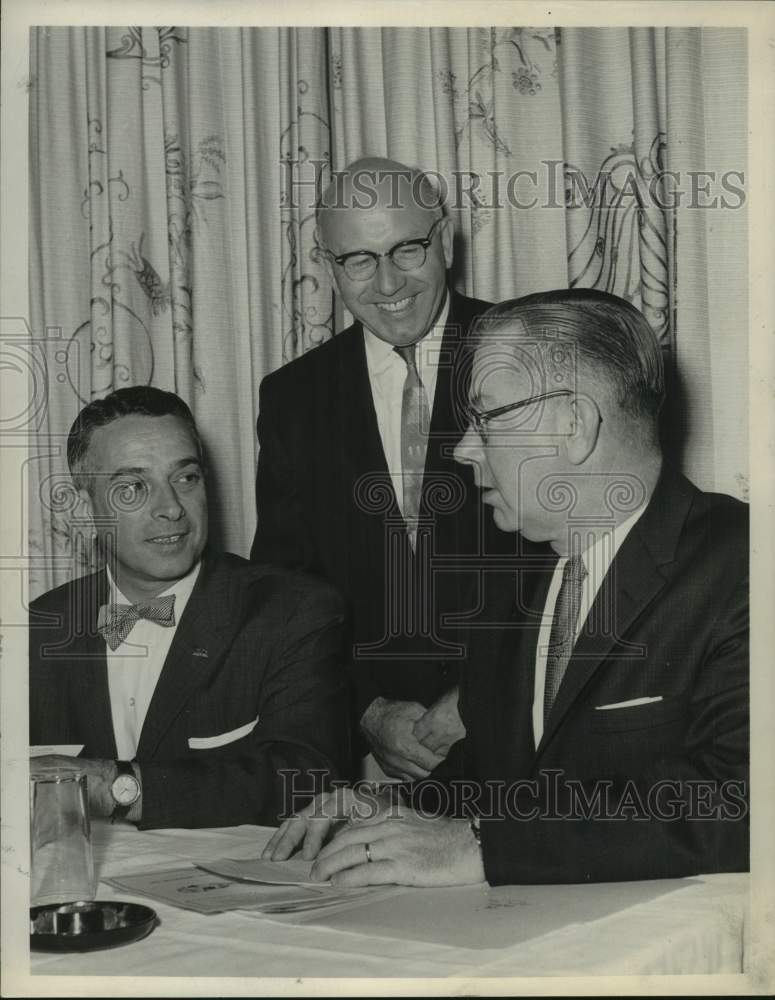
[{"x": 198, "y": 651}]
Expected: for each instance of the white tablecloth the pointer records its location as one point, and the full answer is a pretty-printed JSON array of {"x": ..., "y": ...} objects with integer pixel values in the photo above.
[{"x": 691, "y": 925}]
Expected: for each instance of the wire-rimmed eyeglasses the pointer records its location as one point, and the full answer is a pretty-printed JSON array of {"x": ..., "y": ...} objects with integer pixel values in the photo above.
[
  {"x": 408, "y": 255},
  {"x": 480, "y": 418}
]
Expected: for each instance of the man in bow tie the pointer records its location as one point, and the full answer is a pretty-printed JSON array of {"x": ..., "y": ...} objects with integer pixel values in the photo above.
[{"x": 203, "y": 690}]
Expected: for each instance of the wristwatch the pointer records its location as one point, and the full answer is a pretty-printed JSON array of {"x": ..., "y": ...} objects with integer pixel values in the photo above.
[{"x": 125, "y": 790}]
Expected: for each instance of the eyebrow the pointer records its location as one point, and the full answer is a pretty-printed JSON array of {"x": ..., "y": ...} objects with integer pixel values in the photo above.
[
  {"x": 404, "y": 239},
  {"x": 138, "y": 470}
]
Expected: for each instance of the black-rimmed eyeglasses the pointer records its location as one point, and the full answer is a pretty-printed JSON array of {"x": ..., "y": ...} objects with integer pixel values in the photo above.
[
  {"x": 480, "y": 418},
  {"x": 408, "y": 255}
]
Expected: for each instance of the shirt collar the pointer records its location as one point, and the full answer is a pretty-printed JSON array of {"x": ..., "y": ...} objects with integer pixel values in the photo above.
[
  {"x": 181, "y": 588},
  {"x": 598, "y": 556},
  {"x": 380, "y": 355}
]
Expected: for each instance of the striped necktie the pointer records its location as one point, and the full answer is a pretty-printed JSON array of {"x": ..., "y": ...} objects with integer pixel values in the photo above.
[
  {"x": 415, "y": 422},
  {"x": 563, "y": 634}
]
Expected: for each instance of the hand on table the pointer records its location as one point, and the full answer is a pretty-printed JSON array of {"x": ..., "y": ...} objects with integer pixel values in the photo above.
[
  {"x": 406, "y": 848},
  {"x": 389, "y": 728},
  {"x": 320, "y": 818},
  {"x": 441, "y": 726}
]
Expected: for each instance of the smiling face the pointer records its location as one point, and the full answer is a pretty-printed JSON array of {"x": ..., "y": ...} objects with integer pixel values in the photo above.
[
  {"x": 147, "y": 496},
  {"x": 519, "y": 449},
  {"x": 397, "y": 306}
]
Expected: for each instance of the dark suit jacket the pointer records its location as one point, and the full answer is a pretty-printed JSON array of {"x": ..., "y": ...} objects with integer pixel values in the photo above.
[
  {"x": 326, "y": 503},
  {"x": 253, "y": 642},
  {"x": 677, "y": 593}
]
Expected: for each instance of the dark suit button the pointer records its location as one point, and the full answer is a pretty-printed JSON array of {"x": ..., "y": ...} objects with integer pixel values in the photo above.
[{"x": 444, "y": 670}]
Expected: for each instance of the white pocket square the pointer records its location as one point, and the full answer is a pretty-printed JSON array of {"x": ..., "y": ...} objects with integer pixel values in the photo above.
[
  {"x": 211, "y": 742},
  {"x": 629, "y": 704}
]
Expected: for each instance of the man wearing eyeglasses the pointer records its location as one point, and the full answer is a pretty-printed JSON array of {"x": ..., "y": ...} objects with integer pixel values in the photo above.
[
  {"x": 356, "y": 478},
  {"x": 605, "y": 692}
]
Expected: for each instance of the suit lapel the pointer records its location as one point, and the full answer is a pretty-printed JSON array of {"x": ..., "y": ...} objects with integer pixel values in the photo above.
[
  {"x": 489, "y": 688},
  {"x": 363, "y": 458},
  {"x": 358, "y": 425},
  {"x": 447, "y": 418},
  {"x": 91, "y": 696},
  {"x": 455, "y": 531},
  {"x": 506, "y": 650},
  {"x": 633, "y": 581},
  {"x": 533, "y": 587},
  {"x": 208, "y": 624}
]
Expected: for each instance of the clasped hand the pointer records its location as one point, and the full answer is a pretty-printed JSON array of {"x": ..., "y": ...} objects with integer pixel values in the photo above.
[
  {"x": 408, "y": 740},
  {"x": 377, "y": 841}
]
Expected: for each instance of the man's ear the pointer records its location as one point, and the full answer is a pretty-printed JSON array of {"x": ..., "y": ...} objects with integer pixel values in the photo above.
[
  {"x": 328, "y": 264},
  {"x": 585, "y": 428},
  {"x": 84, "y": 507},
  {"x": 447, "y": 240},
  {"x": 83, "y": 519}
]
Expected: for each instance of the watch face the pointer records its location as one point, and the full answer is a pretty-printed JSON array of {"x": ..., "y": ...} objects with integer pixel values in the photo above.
[{"x": 125, "y": 789}]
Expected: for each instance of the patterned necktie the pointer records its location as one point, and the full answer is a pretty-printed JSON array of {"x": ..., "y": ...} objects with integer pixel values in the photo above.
[
  {"x": 116, "y": 621},
  {"x": 563, "y": 633},
  {"x": 415, "y": 421}
]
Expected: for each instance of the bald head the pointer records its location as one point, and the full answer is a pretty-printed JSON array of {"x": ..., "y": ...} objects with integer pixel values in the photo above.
[
  {"x": 387, "y": 246},
  {"x": 376, "y": 181}
]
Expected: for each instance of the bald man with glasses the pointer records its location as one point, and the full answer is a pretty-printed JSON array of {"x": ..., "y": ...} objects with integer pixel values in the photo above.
[{"x": 356, "y": 478}]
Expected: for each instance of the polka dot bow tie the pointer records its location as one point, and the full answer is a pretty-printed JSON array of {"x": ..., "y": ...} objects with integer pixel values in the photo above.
[{"x": 116, "y": 621}]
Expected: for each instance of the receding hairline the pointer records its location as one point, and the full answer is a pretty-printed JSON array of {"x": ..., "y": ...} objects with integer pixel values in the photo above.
[
  {"x": 505, "y": 332},
  {"x": 82, "y": 469},
  {"x": 629, "y": 368},
  {"x": 504, "y": 342},
  {"x": 492, "y": 328}
]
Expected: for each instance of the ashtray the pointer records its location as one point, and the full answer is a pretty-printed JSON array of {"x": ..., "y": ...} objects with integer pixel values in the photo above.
[{"x": 86, "y": 926}]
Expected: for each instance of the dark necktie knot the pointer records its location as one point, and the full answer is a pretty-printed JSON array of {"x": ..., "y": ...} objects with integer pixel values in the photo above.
[
  {"x": 409, "y": 353},
  {"x": 116, "y": 621}
]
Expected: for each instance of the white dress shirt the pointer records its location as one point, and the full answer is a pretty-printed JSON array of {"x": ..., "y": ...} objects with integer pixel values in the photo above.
[
  {"x": 387, "y": 373},
  {"x": 597, "y": 559},
  {"x": 135, "y": 666}
]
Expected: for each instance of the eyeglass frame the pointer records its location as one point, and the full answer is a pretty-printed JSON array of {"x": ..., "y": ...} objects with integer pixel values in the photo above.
[
  {"x": 478, "y": 418},
  {"x": 341, "y": 259}
]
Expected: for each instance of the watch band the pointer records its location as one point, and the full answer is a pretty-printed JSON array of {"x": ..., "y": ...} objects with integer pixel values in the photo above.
[{"x": 121, "y": 811}]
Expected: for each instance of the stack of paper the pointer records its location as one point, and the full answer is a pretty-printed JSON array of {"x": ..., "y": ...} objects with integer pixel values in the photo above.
[{"x": 271, "y": 887}]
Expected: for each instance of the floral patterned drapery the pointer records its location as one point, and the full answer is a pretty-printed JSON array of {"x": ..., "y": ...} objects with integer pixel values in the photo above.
[{"x": 174, "y": 173}]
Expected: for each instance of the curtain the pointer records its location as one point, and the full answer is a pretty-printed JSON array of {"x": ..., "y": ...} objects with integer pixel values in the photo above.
[
  {"x": 165, "y": 249},
  {"x": 174, "y": 176}
]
